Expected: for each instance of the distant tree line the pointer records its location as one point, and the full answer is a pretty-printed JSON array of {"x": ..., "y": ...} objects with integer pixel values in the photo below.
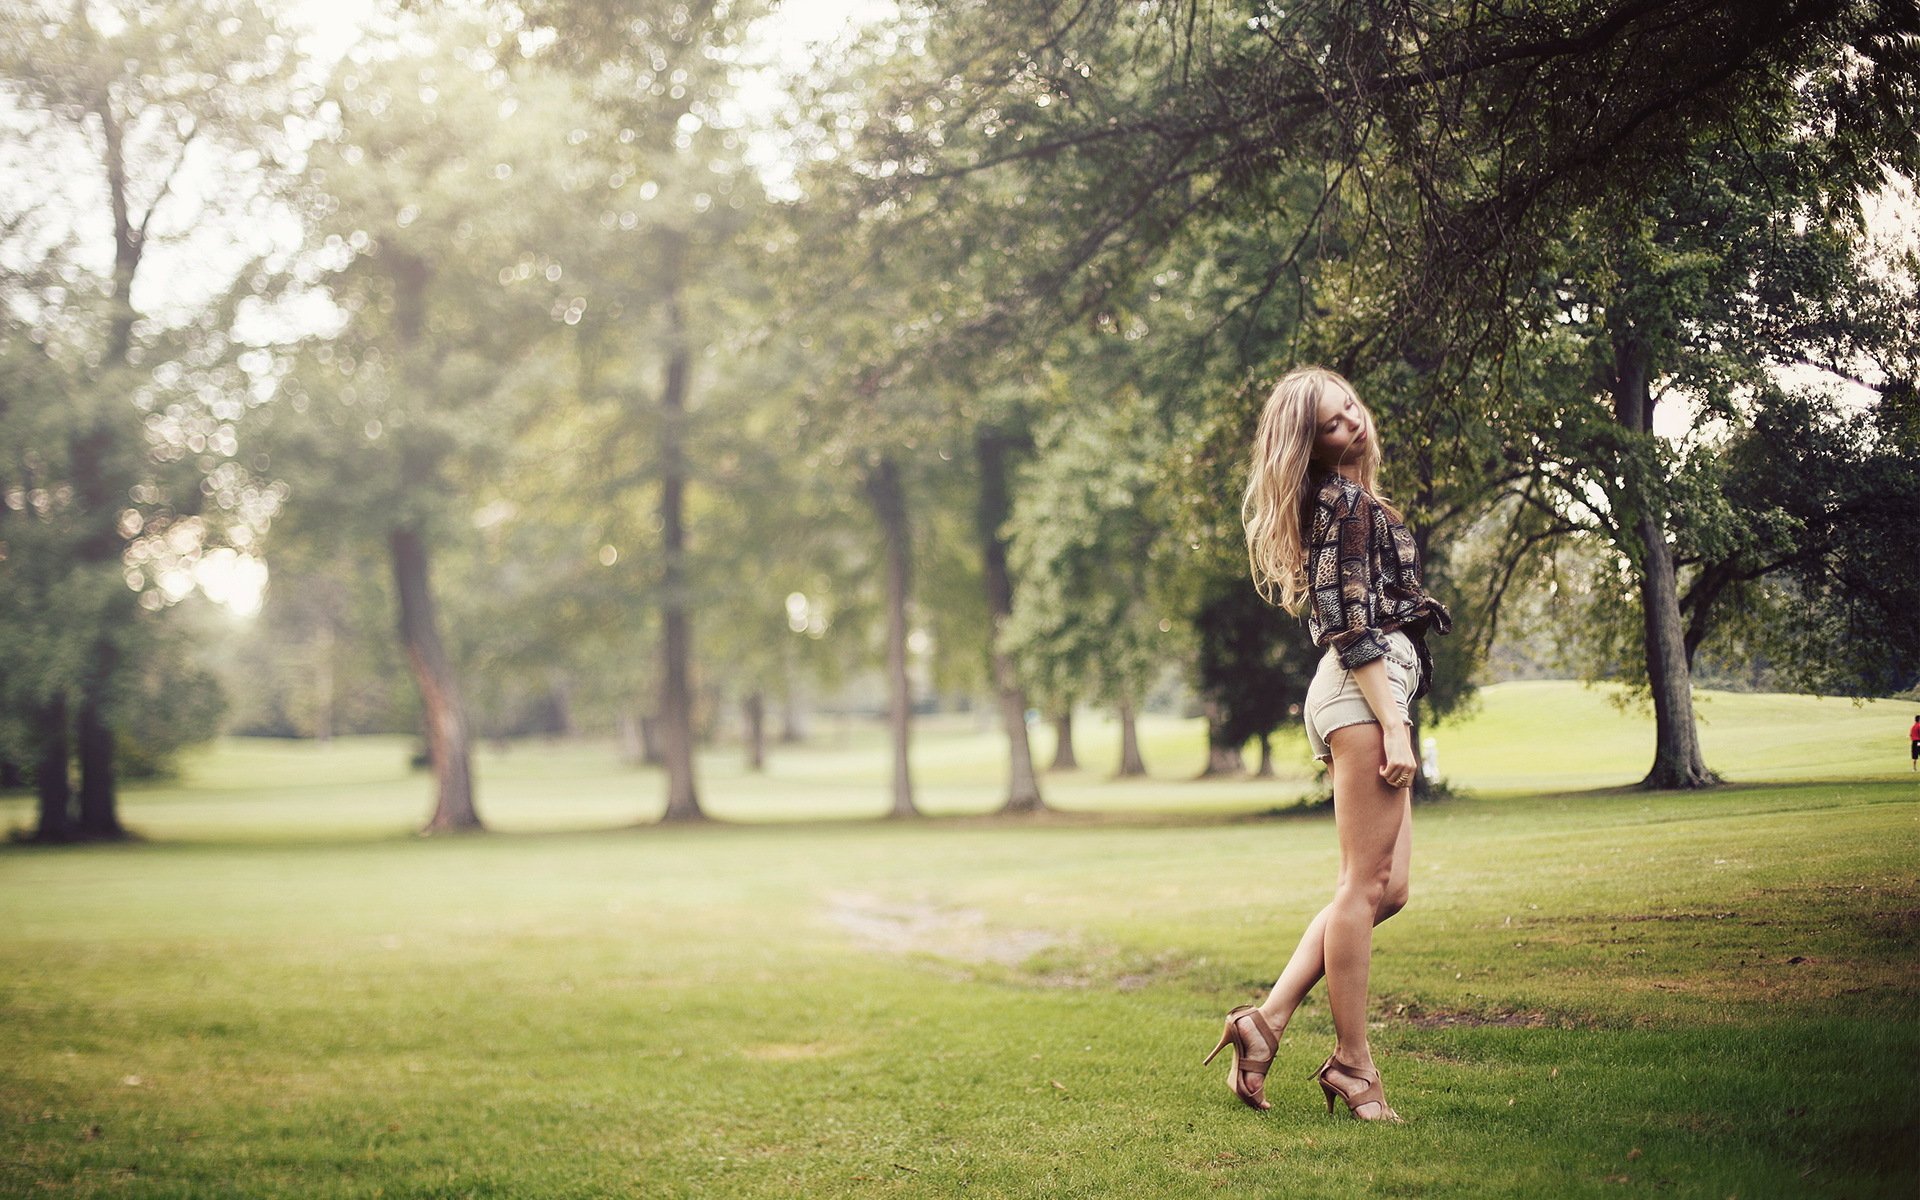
[{"x": 537, "y": 390}]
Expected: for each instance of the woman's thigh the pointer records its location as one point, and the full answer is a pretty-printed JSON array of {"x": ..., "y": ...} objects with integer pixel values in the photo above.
[{"x": 1368, "y": 815}]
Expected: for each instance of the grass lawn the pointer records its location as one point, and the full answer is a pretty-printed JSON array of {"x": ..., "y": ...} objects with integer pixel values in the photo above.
[{"x": 1595, "y": 992}]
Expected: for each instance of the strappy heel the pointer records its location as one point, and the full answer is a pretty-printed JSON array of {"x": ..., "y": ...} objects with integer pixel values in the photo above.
[
  {"x": 1247, "y": 1079},
  {"x": 1373, "y": 1093}
]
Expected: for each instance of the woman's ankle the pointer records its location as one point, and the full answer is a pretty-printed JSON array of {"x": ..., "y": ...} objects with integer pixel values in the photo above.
[{"x": 1360, "y": 1059}]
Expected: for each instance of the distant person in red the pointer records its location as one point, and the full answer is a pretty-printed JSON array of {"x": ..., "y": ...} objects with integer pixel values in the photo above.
[{"x": 1913, "y": 736}]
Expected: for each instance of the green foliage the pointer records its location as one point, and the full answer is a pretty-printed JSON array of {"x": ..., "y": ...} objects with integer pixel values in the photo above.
[
  {"x": 120, "y": 394},
  {"x": 1729, "y": 275},
  {"x": 427, "y": 235},
  {"x": 1082, "y": 542}
]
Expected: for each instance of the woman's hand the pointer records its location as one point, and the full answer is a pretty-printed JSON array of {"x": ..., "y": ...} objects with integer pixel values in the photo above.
[
  {"x": 1400, "y": 766},
  {"x": 1395, "y": 734}
]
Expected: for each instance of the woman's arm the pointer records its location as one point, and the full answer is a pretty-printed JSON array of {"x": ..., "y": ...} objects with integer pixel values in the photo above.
[
  {"x": 1395, "y": 734},
  {"x": 1343, "y": 581}
]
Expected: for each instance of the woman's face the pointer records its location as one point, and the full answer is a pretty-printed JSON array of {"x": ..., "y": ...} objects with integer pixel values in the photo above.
[{"x": 1344, "y": 429}]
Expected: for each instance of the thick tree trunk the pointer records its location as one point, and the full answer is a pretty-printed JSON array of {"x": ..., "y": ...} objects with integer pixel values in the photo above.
[
  {"x": 1265, "y": 770},
  {"x": 1222, "y": 759},
  {"x": 676, "y": 618},
  {"x": 96, "y": 453},
  {"x": 1131, "y": 764},
  {"x": 448, "y": 751},
  {"x": 98, "y": 819},
  {"x": 888, "y": 497},
  {"x": 52, "y": 778},
  {"x": 1064, "y": 758},
  {"x": 1677, "y": 761},
  {"x": 753, "y": 711},
  {"x": 95, "y": 469},
  {"x": 1023, "y": 785}
]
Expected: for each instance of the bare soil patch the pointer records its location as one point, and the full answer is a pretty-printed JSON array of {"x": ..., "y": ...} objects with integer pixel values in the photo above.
[{"x": 951, "y": 932}]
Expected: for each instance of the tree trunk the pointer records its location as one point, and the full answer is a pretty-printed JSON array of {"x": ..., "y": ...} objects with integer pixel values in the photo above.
[
  {"x": 1677, "y": 761},
  {"x": 323, "y": 681},
  {"x": 651, "y": 755},
  {"x": 446, "y": 724},
  {"x": 95, "y": 455},
  {"x": 52, "y": 779},
  {"x": 1265, "y": 770},
  {"x": 888, "y": 497},
  {"x": 98, "y": 820},
  {"x": 1063, "y": 756},
  {"x": 96, "y": 451},
  {"x": 754, "y": 710},
  {"x": 676, "y": 641},
  {"x": 1023, "y": 785},
  {"x": 1131, "y": 764},
  {"x": 1222, "y": 759}
]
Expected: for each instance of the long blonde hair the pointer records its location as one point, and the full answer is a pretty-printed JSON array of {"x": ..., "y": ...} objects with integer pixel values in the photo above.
[{"x": 1279, "y": 488}]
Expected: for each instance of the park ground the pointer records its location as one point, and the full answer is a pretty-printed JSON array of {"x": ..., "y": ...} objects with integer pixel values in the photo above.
[{"x": 1594, "y": 992}]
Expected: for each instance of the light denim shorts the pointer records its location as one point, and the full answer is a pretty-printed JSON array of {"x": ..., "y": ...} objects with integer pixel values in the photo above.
[{"x": 1334, "y": 699}]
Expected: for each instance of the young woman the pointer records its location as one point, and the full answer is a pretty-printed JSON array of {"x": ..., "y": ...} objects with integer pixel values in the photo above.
[{"x": 1323, "y": 540}]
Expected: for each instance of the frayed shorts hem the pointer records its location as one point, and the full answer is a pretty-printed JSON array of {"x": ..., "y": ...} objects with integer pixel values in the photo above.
[{"x": 1327, "y": 731}]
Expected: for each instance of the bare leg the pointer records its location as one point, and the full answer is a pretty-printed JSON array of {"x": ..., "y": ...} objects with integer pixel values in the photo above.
[
  {"x": 1308, "y": 963},
  {"x": 1367, "y": 814}
]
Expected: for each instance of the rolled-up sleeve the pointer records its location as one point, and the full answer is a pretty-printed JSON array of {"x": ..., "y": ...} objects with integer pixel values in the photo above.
[{"x": 1340, "y": 572}]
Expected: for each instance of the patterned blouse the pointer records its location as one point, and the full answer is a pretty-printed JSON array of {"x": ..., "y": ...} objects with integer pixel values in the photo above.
[{"x": 1363, "y": 571}]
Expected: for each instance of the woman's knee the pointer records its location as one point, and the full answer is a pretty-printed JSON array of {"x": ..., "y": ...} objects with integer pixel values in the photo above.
[
  {"x": 1370, "y": 888},
  {"x": 1392, "y": 900}
]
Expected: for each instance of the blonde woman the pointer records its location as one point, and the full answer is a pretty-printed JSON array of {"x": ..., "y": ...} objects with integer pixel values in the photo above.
[{"x": 1323, "y": 540}]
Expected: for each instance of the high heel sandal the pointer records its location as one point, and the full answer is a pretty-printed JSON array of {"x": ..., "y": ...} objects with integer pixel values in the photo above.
[
  {"x": 1373, "y": 1093},
  {"x": 1248, "y": 1077}
]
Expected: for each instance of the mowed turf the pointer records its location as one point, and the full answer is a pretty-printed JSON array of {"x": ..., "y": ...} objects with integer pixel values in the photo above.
[
  {"x": 281, "y": 994},
  {"x": 1517, "y": 738}
]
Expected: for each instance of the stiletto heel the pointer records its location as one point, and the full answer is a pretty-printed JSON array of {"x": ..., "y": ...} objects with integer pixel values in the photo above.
[
  {"x": 1373, "y": 1093},
  {"x": 1226, "y": 1039},
  {"x": 1247, "y": 1077}
]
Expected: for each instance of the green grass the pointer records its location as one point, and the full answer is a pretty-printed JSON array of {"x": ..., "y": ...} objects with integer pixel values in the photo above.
[
  {"x": 1520, "y": 738},
  {"x": 283, "y": 994}
]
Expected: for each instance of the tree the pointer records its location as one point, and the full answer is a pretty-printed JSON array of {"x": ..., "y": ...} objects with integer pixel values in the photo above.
[
  {"x": 164, "y": 105},
  {"x": 659, "y": 76},
  {"x": 1701, "y": 284},
  {"x": 431, "y": 237},
  {"x": 1085, "y": 544},
  {"x": 1816, "y": 581},
  {"x": 1455, "y": 142}
]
